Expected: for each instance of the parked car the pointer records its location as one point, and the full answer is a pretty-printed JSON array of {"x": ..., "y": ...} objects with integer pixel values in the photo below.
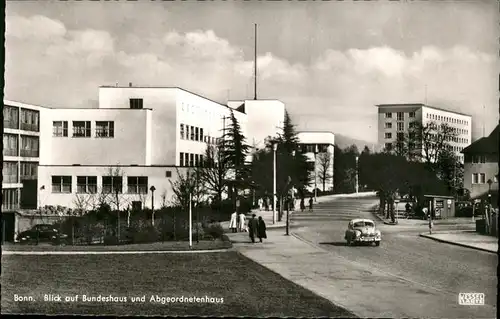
[
  {"x": 42, "y": 233},
  {"x": 362, "y": 231}
]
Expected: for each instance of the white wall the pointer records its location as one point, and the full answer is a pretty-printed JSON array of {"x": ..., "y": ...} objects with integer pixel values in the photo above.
[
  {"x": 265, "y": 118},
  {"x": 128, "y": 146},
  {"x": 156, "y": 177}
]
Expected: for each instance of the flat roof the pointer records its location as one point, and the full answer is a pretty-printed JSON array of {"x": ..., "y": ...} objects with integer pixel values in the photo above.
[
  {"x": 167, "y": 87},
  {"x": 421, "y": 105},
  {"x": 23, "y": 104}
]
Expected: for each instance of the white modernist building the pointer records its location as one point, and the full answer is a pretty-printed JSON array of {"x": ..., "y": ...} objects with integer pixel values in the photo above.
[
  {"x": 394, "y": 121},
  {"x": 136, "y": 140},
  {"x": 318, "y": 146}
]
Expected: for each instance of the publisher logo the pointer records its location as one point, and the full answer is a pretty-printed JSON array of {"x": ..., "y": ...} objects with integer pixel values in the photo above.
[{"x": 471, "y": 298}]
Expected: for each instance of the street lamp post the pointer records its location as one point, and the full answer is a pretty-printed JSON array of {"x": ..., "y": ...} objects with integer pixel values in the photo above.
[
  {"x": 488, "y": 212},
  {"x": 288, "y": 205},
  {"x": 152, "y": 189},
  {"x": 275, "y": 148},
  {"x": 357, "y": 175},
  {"x": 315, "y": 175}
]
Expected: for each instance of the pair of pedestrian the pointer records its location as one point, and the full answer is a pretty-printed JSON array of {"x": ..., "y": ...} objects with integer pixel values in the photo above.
[
  {"x": 256, "y": 227},
  {"x": 237, "y": 223}
]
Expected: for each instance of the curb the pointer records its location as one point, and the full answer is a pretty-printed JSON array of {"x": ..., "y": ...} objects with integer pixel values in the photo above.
[
  {"x": 456, "y": 244},
  {"x": 130, "y": 252}
]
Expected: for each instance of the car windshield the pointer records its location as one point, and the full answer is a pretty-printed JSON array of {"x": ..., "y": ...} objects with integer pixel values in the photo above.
[{"x": 363, "y": 224}]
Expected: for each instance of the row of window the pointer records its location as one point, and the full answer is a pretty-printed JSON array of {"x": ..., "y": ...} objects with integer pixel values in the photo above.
[
  {"x": 448, "y": 119},
  {"x": 480, "y": 178},
  {"x": 193, "y": 133},
  {"x": 26, "y": 170},
  {"x": 478, "y": 159},
  {"x": 313, "y": 148},
  {"x": 29, "y": 145},
  {"x": 84, "y": 129},
  {"x": 460, "y": 130},
  {"x": 399, "y": 115},
  {"x": 189, "y": 159},
  {"x": 29, "y": 121},
  {"x": 457, "y": 139},
  {"x": 110, "y": 184}
]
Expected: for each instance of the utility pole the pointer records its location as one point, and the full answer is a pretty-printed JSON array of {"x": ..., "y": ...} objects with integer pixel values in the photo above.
[{"x": 255, "y": 63}]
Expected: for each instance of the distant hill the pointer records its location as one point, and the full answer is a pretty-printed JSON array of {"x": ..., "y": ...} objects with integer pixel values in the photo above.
[{"x": 343, "y": 141}]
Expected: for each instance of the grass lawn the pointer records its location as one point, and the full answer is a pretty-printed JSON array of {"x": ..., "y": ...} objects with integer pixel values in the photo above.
[
  {"x": 247, "y": 288},
  {"x": 162, "y": 246}
]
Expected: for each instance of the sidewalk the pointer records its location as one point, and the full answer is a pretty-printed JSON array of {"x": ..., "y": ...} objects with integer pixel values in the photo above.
[
  {"x": 365, "y": 291},
  {"x": 470, "y": 239}
]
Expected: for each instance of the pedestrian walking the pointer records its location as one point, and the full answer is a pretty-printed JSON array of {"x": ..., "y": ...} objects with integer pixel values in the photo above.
[
  {"x": 311, "y": 204},
  {"x": 242, "y": 224},
  {"x": 266, "y": 204},
  {"x": 253, "y": 227},
  {"x": 233, "y": 224},
  {"x": 261, "y": 229},
  {"x": 302, "y": 204},
  {"x": 260, "y": 202}
]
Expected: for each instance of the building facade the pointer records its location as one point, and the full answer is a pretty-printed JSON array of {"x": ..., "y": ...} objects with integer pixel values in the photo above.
[
  {"x": 481, "y": 167},
  {"x": 395, "y": 121},
  {"x": 318, "y": 147},
  {"x": 21, "y": 152},
  {"x": 133, "y": 146}
]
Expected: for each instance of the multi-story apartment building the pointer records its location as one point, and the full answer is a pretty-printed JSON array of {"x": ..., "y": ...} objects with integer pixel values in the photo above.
[
  {"x": 21, "y": 151},
  {"x": 139, "y": 137},
  {"x": 481, "y": 167},
  {"x": 318, "y": 146},
  {"x": 395, "y": 120}
]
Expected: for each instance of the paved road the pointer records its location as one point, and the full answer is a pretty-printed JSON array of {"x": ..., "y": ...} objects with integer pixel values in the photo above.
[{"x": 437, "y": 267}]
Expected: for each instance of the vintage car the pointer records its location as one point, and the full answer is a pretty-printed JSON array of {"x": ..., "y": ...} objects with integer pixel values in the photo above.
[
  {"x": 362, "y": 230},
  {"x": 42, "y": 233}
]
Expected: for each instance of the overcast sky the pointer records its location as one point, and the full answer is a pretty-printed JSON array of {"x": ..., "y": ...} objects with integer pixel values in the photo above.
[{"x": 329, "y": 62}]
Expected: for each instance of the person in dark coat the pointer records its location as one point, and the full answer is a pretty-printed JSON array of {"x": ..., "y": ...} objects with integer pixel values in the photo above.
[
  {"x": 302, "y": 204},
  {"x": 311, "y": 204},
  {"x": 253, "y": 227},
  {"x": 261, "y": 229}
]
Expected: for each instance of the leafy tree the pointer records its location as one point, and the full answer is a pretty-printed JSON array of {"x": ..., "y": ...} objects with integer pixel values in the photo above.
[
  {"x": 427, "y": 142},
  {"x": 235, "y": 151},
  {"x": 345, "y": 169},
  {"x": 325, "y": 168}
]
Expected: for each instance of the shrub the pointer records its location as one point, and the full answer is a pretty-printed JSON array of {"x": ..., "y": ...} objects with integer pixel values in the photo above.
[
  {"x": 144, "y": 234},
  {"x": 214, "y": 230},
  {"x": 111, "y": 240}
]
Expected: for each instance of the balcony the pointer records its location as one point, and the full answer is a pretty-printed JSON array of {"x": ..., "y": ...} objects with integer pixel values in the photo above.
[
  {"x": 11, "y": 124},
  {"x": 9, "y": 152},
  {"x": 29, "y": 153},
  {"x": 29, "y": 127}
]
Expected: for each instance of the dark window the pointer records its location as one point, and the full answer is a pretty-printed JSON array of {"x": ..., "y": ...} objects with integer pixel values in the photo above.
[
  {"x": 196, "y": 163},
  {"x": 196, "y": 134},
  {"x": 60, "y": 128},
  {"x": 81, "y": 128},
  {"x": 28, "y": 170},
  {"x": 388, "y": 135},
  {"x": 182, "y": 131},
  {"x": 186, "y": 159},
  {"x": 412, "y": 114},
  {"x": 137, "y": 184},
  {"x": 29, "y": 120},
  {"x": 10, "y": 117},
  {"x": 191, "y": 160},
  {"x": 201, "y": 135},
  {"x": 136, "y": 103},
  {"x": 61, "y": 184},
  {"x": 112, "y": 184},
  {"x": 29, "y": 146},
  {"x": 388, "y": 115},
  {"x": 401, "y": 116},
  {"x": 86, "y": 184},
  {"x": 104, "y": 129},
  {"x": 10, "y": 144},
  {"x": 168, "y": 173},
  {"x": 202, "y": 164},
  {"x": 192, "y": 133},
  {"x": 181, "y": 157},
  {"x": 400, "y": 136},
  {"x": 9, "y": 172}
]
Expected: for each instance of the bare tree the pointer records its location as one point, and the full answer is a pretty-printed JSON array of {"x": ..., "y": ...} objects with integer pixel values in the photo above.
[
  {"x": 325, "y": 168},
  {"x": 187, "y": 185},
  {"x": 429, "y": 141},
  {"x": 112, "y": 194},
  {"x": 214, "y": 172}
]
